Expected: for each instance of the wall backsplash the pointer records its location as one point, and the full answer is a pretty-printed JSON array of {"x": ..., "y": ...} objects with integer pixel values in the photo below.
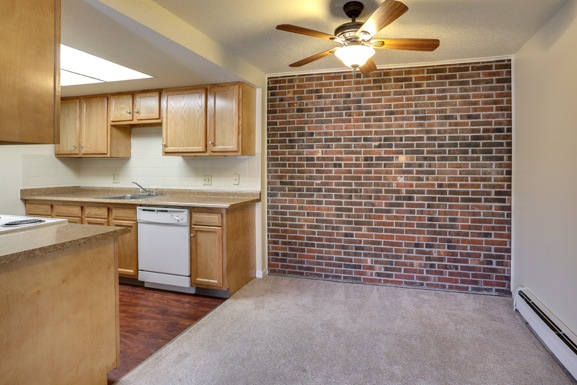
[
  {"x": 146, "y": 166},
  {"x": 402, "y": 177}
]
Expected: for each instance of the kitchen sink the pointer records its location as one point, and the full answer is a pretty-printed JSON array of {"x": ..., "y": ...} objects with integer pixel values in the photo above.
[{"x": 129, "y": 196}]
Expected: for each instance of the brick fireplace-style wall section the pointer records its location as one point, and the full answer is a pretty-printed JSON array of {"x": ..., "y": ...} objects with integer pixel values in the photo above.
[{"x": 402, "y": 177}]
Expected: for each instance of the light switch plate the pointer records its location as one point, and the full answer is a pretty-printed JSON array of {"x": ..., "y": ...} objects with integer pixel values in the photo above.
[
  {"x": 115, "y": 178},
  {"x": 236, "y": 179},
  {"x": 207, "y": 180}
]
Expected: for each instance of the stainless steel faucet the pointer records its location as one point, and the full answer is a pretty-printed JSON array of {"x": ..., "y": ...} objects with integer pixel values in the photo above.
[{"x": 146, "y": 191}]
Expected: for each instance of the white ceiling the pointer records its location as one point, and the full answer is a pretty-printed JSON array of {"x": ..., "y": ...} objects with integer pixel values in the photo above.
[{"x": 245, "y": 29}]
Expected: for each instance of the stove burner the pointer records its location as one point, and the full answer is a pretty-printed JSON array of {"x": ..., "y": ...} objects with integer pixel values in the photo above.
[{"x": 23, "y": 222}]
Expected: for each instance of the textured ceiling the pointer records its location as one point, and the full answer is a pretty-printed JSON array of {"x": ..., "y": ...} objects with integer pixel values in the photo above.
[{"x": 246, "y": 29}]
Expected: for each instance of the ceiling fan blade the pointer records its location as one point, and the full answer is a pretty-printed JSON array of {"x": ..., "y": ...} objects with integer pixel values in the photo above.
[
  {"x": 406, "y": 44},
  {"x": 368, "y": 67},
  {"x": 304, "y": 31},
  {"x": 387, "y": 12},
  {"x": 312, "y": 58}
]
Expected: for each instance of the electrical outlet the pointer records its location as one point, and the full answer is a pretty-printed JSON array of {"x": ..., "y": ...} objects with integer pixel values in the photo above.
[
  {"x": 207, "y": 180},
  {"x": 115, "y": 178},
  {"x": 236, "y": 179}
]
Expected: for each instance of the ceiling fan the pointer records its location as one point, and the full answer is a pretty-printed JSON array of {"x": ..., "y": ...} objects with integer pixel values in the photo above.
[{"x": 356, "y": 38}]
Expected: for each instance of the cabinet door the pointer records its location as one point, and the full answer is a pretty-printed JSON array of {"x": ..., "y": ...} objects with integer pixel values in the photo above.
[
  {"x": 69, "y": 128},
  {"x": 206, "y": 257},
  {"x": 120, "y": 108},
  {"x": 30, "y": 31},
  {"x": 184, "y": 121},
  {"x": 224, "y": 119},
  {"x": 147, "y": 106},
  {"x": 94, "y": 126},
  {"x": 127, "y": 245}
]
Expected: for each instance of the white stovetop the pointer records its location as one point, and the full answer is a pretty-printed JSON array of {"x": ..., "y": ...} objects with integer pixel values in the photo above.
[{"x": 4, "y": 219}]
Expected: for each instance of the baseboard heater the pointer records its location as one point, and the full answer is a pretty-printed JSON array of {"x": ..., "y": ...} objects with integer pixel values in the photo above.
[{"x": 553, "y": 333}]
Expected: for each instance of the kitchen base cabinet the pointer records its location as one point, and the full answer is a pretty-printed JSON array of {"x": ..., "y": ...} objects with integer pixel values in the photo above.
[
  {"x": 95, "y": 215},
  {"x": 99, "y": 215},
  {"x": 59, "y": 318},
  {"x": 127, "y": 243},
  {"x": 223, "y": 250},
  {"x": 39, "y": 209},
  {"x": 72, "y": 213}
]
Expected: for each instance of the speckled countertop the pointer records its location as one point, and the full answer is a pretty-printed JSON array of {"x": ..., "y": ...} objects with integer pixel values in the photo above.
[
  {"x": 35, "y": 242},
  {"x": 166, "y": 197}
]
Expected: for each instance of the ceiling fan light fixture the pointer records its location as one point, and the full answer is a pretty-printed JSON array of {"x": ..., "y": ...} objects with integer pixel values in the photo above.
[{"x": 355, "y": 56}]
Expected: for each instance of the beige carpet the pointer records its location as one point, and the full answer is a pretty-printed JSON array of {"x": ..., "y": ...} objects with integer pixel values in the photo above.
[{"x": 280, "y": 330}]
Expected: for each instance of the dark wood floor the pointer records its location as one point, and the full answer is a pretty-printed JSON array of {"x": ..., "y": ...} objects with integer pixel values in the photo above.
[{"x": 151, "y": 318}]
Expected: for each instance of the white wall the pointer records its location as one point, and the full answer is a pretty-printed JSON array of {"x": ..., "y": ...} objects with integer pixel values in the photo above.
[
  {"x": 545, "y": 166},
  {"x": 150, "y": 168},
  {"x": 30, "y": 164}
]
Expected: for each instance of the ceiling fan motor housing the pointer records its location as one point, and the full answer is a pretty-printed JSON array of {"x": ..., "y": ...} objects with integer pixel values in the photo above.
[{"x": 347, "y": 31}]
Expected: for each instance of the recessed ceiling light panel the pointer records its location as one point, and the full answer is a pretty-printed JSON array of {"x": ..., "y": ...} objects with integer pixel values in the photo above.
[{"x": 79, "y": 67}]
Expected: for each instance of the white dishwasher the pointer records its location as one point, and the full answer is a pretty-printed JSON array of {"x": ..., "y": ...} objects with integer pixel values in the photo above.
[{"x": 164, "y": 248}]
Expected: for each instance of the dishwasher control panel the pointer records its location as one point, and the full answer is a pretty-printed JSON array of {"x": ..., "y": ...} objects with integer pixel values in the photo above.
[{"x": 173, "y": 216}]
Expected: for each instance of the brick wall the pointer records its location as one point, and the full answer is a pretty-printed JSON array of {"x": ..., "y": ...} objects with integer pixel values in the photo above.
[{"x": 402, "y": 177}]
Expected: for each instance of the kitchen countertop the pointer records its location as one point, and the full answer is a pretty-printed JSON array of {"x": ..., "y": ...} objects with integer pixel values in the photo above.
[
  {"x": 42, "y": 240},
  {"x": 166, "y": 197}
]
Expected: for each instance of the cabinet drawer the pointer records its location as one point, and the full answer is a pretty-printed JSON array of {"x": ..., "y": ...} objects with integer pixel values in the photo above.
[
  {"x": 96, "y": 212},
  {"x": 120, "y": 213},
  {"x": 41, "y": 209},
  {"x": 67, "y": 211},
  {"x": 206, "y": 219}
]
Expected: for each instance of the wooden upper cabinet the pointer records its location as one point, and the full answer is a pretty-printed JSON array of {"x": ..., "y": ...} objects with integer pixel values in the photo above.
[
  {"x": 85, "y": 132},
  {"x": 120, "y": 108},
  {"x": 94, "y": 126},
  {"x": 29, "y": 76},
  {"x": 184, "y": 121},
  {"x": 137, "y": 108},
  {"x": 69, "y": 127},
  {"x": 147, "y": 106},
  {"x": 223, "y": 125},
  {"x": 224, "y": 119},
  {"x": 231, "y": 119}
]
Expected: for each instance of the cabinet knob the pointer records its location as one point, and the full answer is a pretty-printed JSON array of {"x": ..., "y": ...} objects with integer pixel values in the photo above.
[
  {"x": 210, "y": 142},
  {"x": 163, "y": 144},
  {"x": 74, "y": 146},
  {"x": 191, "y": 235},
  {"x": 136, "y": 111},
  {"x": 129, "y": 112}
]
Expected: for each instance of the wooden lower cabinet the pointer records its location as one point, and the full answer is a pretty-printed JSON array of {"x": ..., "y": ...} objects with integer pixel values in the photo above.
[
  {"x": 223, "y": 250},
  {"x": 39, "y": 209},
  {"x": 95, "y": 215},
  {"x": 72, "y": 213},
  {"x": 206, "y": 254},
  {"x": 99, "y": 215},
  {"x": 128, "y": 243}
]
